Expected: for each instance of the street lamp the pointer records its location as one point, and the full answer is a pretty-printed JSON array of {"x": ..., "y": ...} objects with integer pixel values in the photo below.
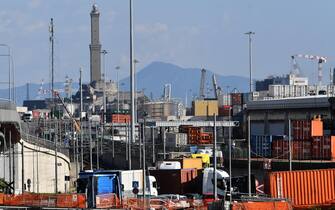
[
  {"x": 9, "y": 69},
  {"x": 135, "y": 62},
  {"x": 104, "y": 52},
  {"x": 250, "y": 33},
  {"x": 117, "y": 68}
]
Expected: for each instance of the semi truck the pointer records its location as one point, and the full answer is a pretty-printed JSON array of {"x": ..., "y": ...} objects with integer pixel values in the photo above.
[{"x": 107, "y": 188}]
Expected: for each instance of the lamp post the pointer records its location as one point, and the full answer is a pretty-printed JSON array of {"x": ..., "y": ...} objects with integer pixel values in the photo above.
[
  {"x": 135, "y": 78},
  {"x": 250, "y": 33},
  {"x": 117, "y": 68},
  {"x": 104, "y": 52},
  {"x": 9, "y": 70}
]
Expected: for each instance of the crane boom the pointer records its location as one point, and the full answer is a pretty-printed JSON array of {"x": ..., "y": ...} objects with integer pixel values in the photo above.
[
  {"x": 202, "y": 84},
  {"x": 76, "y": 124},
  {"x": 215, "y": 86}
]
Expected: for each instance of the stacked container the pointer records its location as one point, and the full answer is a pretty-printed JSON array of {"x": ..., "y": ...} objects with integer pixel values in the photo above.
[
  {"x": 301, "y": 129},
  {"x": 261, "y": 145},
  {"x": 308, "y": 142},
  {"x": 321, "y": 148}
]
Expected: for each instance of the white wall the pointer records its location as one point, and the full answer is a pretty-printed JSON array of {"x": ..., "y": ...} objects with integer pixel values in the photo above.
[{"x": 39, "y": 167}]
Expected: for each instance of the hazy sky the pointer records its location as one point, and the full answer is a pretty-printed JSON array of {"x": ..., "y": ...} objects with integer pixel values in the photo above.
[{"x": 189, "y": 33}]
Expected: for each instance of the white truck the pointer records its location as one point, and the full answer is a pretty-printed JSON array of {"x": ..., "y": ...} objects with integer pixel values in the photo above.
[{"x": 131, "y": 179}]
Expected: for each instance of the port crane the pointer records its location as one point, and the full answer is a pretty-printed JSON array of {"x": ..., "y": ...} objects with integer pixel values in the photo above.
[
  {"x": 217, "y": 89},
  {"x": 202, "y": 84},
  {"x": 320, "y": 59},
  {"x": 75, "y": 122}
]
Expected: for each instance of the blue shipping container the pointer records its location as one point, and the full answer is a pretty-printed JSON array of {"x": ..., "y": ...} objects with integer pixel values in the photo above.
[
  {"x": 261, "y": 146},
  {"x": 105, "y": 184}
]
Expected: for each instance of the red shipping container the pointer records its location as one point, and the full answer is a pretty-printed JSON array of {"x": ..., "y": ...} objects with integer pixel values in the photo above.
[
  {"x": 279, "y": 146},
  {"x": 332, "y": 150},
  {"x": 224, "y": 111},
  {"x": 321, "y": 148},
  {"x": 301, "y": 129},
  {"x": 236, "y": 98},
  {"x": 301, "y": 150}
]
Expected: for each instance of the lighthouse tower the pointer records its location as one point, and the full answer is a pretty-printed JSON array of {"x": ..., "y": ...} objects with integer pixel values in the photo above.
[{"x": 95, "y": 46}]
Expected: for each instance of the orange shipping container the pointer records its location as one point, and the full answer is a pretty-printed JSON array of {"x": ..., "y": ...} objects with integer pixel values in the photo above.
[
  {"x": 316, "y": 128},
  {"x": 274, "y": 205},
  {"x": 307, "y": 188},
  {"x": 1, "y": 198},
  {"x": 190, "y": 163},
  {"x": 121, "y": 118}
]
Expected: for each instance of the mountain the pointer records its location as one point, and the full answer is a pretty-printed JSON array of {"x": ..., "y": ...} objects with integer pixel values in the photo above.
[
  {"x": 34, "y": 93},
  {"x": 152, "y": 79},
  {"x": 184, "y": 81}
]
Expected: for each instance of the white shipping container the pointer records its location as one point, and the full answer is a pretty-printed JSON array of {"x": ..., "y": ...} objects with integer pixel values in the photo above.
[
  {"x": 224, "y": 100},
  {"x": 285, "y": 91},
  {"x": 176, "y": 139},
  {"x": 21, "y": 109}
]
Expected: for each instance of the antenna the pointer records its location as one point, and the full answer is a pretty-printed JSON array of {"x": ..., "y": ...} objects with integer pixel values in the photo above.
[{"x": 51, "y": 38}]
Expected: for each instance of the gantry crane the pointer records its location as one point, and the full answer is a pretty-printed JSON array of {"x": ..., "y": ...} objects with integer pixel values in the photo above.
[{"x": 320, "y": 59}]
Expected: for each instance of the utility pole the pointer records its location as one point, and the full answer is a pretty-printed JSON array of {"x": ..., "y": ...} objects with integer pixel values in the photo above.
[
  {"x": 56, "y": 161},
  {"x": 214, "y": 161},
  {"x": 51, "y": 30},
  {"x": 118, "y": 92},
  {"x": 81, "y": 121},
  {"x": 132, "y": 81},
  {"x": 289, "y": 144},
  {"x": 143, "y": 151},
  {"x": 90, "y": 133},
  {"x": 250, "y": 33},
  {"x": 230, "y": 165},
  {"x": 249, "y": 158}
]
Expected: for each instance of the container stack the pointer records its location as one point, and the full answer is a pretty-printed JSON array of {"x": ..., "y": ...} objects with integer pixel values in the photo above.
[
  {"x": 308, "y": 142},
  {"x": 196, "y": 136}
]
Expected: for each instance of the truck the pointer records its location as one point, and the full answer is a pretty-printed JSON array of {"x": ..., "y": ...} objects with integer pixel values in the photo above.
[
  {"x": 107, "y": 188},
  {"x": 27, "y": 116},
  {"x": 190, "y": 181}
]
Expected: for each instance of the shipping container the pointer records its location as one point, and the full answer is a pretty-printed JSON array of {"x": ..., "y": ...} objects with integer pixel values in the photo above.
[
  {"x": 321, "y": 148},
  {"x": 261, "y": 145},
  {"x": 301, "y": 129},
  {"x": 236, "y": 98},
  {"x": 260, "y": 205},
  {"x": 176, "y": 181},
  {"x": 176, "y": 139},
  {"x": 190, "y": 163},
  {"x": 225, "y": 111},
  {"x": 316, "y": 128},
  {"x": 301, "y": 150},
  {"x": 121, "y": 118},
  {"x": 224, "y": 100},
  {"x": 306, "y": 188}
]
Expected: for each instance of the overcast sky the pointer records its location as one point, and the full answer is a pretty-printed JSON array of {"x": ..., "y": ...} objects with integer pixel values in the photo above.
[{"x": 189, "y": 33}]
